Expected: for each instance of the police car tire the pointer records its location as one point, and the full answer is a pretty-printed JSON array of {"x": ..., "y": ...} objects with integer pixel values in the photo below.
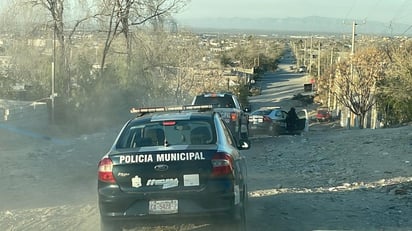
[
  {"x": 239, "y": 221},
  {"x": 109, "y": 225}
]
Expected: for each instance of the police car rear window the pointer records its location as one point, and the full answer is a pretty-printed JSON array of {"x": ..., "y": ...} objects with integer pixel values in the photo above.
[{"x": 169, "y": 133}]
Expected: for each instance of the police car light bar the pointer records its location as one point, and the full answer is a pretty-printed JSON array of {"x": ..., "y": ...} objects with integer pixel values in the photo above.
[
  {"x": 147, "y": 109},
  {"x": 171, "y": 108}
]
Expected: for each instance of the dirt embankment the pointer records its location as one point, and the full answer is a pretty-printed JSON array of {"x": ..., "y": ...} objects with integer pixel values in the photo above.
[{"x": 329, "y": 178}]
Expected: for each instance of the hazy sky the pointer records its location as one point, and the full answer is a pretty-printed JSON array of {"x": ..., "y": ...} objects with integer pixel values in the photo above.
[{"x": 387, "y": 11}]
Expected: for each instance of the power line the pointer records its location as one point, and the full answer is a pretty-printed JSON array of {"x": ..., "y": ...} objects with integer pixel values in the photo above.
[
  {"x": 397, "y": 15},
  {"x": 374, "y": 9},
  {"x": 398, "y": 12},
  {"x": 406, "y": 30},
  {"x": 350, "y": 9}
]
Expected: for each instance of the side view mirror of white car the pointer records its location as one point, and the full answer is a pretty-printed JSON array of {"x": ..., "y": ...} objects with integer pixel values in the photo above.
[{"x": 244, "y": 144}]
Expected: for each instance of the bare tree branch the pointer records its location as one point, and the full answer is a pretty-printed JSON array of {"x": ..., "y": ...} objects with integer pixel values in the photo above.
[{"x": 356, "y": 87}]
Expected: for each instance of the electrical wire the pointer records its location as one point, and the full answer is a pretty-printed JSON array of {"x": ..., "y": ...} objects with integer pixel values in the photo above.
[
  {"x": 397, "y": 14},
  {"x": 406, "y": 30},
  {"x": 373, "y": 9},
  {"x": 350, "y": 9}
]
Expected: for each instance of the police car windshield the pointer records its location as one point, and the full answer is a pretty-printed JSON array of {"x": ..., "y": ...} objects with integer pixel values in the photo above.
[{"x": 157, "y": 134}]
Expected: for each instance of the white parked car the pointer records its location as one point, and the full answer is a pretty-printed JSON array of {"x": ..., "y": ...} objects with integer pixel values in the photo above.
[{"x": 272, "y": 121}]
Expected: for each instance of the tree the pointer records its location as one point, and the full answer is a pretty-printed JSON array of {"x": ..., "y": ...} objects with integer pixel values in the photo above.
[
  {"x": 170, "y": 62},
  {"x": 355, "y": 84},
  {"x": 123, "y": 15},
  {"x": 394, "y": 90},
  {"x": 45, "y": 17}
]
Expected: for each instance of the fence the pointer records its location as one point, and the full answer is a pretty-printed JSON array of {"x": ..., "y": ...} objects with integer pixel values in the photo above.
[{"x": 32, "y": 116}]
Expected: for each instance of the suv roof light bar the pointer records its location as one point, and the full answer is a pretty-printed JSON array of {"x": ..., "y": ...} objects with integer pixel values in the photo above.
[
  {"x": 144, "y": 110},
  {"x": 214, "y": 95}
]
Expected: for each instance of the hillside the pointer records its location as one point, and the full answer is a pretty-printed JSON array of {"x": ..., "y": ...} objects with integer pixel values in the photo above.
[{"x": 312, "y": 25}]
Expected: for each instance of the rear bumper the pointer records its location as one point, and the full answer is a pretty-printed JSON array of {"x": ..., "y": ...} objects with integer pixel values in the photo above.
[
  {"x": 117, "y": 205},
  {"x": 260, "y": 129},
  {"x": 217, "y": 216}
]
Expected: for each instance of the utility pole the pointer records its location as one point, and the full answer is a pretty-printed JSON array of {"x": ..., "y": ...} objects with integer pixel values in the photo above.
[
  {"x": 354, "y": 24},
  {"x": 311, "y": 54},
  {"x": 330, "y": 79},
  {"x": 319, "y": 53},
  {"x": 53, "y": 94},
  {"x": 304, "y": 54}
]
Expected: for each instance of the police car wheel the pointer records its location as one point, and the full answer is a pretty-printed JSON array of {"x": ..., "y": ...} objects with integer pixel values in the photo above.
[
  {"x": 239, "y": 223},
  {"x": 106, "y": 225}
]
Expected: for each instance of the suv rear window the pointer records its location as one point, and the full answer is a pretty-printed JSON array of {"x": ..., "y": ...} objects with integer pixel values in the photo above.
[
  {"x": 219, "y": 101},
  {"x": 180, "y": 132}
]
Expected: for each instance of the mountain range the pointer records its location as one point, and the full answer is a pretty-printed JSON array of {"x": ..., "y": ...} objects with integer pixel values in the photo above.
[{"x": 304, "y": 25}]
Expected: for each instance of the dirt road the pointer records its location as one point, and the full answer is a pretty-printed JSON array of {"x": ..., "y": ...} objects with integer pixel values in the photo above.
[
  {"x": 329, "y": 178},
  {"x": 332, "y": 179}
]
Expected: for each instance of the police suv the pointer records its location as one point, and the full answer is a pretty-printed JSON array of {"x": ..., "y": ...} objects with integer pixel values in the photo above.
[
  {"x": 230, "y": 109},
  {"x": 173, "y": 165}
]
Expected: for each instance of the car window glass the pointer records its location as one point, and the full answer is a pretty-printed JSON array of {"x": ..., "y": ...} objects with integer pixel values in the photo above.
[
  {"x": 257, "y": 113},
  {"x": 217, "y": 101},
  {"x": 228, "y": 135},
  {"x": 301, "y": 114},
  {"x": 201, "y": 133},
  {"x": 266, "y": 112},
  {"x": 155, "y": 134},
  {"x": 262, "y": 112}
]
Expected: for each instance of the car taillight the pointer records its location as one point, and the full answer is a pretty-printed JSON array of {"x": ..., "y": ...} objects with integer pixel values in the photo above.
[
  {"x": 233, "y": 116},
  {"x": 266, "y": 119},
  {"x": 106, "y": 171},
  {"x": 222, "y": 164}
]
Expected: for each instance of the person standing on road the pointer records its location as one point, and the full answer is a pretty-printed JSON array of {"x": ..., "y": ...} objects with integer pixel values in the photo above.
[{"x": 291, "y": 119}]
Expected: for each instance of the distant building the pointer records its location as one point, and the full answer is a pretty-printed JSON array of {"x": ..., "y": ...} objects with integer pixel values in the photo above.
[{"x": 37, "y": 42}]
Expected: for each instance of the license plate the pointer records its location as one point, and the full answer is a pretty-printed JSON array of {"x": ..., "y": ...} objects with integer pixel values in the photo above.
[{"x": 163, "y": 207}]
